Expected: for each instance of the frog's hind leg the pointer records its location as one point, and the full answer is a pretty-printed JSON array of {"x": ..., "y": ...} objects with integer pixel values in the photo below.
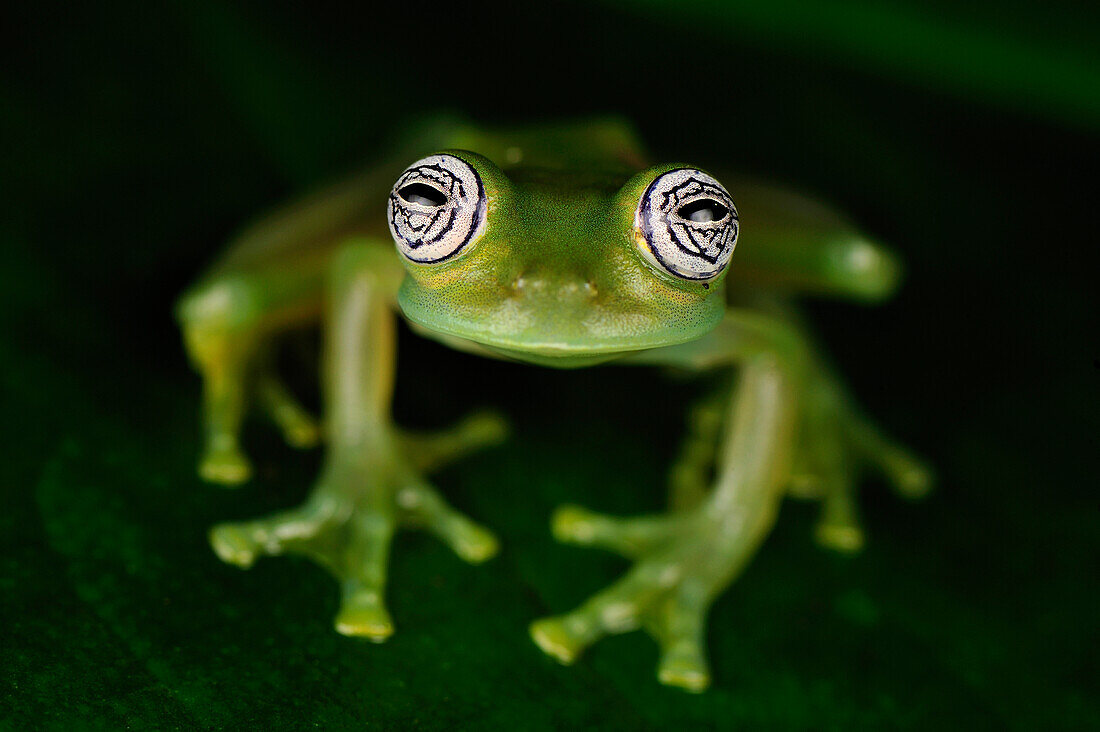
[
  {"x": 836, "y": 445},
  {"x": 832, "y": 470},
  {"x": 228, "y": 323},
  {"x": 692, "y": 471},
  {"x": 224, "y": 359}
]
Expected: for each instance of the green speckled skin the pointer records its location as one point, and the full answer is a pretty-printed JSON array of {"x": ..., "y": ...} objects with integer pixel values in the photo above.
[{"x": 557, "y": 278}]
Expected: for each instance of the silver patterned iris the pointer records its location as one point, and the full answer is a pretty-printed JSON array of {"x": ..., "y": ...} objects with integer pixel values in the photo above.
[
  {"x": 688, "y": 224},
  {"x": 436, "y": 209}
]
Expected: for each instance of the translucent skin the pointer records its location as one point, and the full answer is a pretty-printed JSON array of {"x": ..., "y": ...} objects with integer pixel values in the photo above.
[{"x": 556, "y": 279}]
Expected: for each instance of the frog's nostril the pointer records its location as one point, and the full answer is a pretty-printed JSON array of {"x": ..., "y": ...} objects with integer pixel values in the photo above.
[
  {"x": 525, "y": 285},
  {"x": 535, "y": 286}
]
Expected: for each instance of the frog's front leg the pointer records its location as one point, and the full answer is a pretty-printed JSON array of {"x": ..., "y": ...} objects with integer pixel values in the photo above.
[
  {"x": 370, "y": 485},
  {"x": 684, "y": 560}
]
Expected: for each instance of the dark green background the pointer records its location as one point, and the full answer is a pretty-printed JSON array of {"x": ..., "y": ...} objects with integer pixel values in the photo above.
[{"x": 138, "y": 136}]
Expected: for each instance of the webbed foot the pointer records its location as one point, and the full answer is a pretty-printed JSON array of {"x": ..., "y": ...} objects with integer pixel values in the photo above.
[
  {"x": 223, "y": 461},
  {"x": 349, "y": 521},
  {"x": 681, "y": 562},
  {"x": 347, "y": 525},
  {"x": 836, "y": 450}
]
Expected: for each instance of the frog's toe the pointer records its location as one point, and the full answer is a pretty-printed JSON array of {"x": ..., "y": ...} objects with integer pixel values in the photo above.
[
  {"x": 423, "y": 506},
  {"x": 910, "y": 477},
  {"x": 471, "y": 542},
  {"x": 838, "y": 527},
  {"x": 843, "y": 538},
  {"x": 225, "y": 464},
  {"x": 630, "y": 537},
  {"x": 303, "y": 433},
  {"x": 300, "y": 428},
  {"x": 559, "y": 640},
  {"x": 684, "y": 666},
  {"x": 483, "y": 429},
  {"x": 233, "y": 544},
  {"x": 363, "y": 615},
  {"x": 679, "y": 627},
  {"x": 431, "y": 451},
  {"x": 241, "y": 543},
  {"x": 362, "y": 608}
]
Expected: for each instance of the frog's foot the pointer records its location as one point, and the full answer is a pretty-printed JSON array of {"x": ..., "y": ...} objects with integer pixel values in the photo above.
[
  {"x": 834, "y": 454},
  {"x": 347, "y": 525},
  {"x": 908, "y": 475},
  {"x": 681, "y": 561},
  {"x": 223, "y": 461}
]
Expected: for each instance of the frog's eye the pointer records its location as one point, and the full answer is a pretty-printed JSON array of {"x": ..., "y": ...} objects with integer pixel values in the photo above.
[
  {"x": 686, "y": 224},
  {"x": 437, "y": 208}
]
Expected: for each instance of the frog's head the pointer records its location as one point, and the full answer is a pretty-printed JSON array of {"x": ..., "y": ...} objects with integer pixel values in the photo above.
[{"x": 558, "y": 267}]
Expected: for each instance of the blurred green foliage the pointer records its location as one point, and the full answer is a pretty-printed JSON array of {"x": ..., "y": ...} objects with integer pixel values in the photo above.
[
  {"x": 140, "y": 136},
  {"x": 1043, "y": 58}
]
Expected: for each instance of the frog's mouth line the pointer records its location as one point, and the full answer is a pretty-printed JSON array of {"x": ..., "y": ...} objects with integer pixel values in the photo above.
[
  {"x": 552, "y": 355},
  {"x": 561, "y": 349},
  {"x": 559, "y": 338}
]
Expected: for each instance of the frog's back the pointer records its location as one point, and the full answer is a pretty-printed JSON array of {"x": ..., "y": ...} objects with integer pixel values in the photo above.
[
  {"x": 595, "y": 143},
  {"x": 792, "y": 243}
]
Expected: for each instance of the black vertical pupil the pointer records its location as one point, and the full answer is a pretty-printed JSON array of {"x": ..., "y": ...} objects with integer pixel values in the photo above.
[
  {"x": 423, "y": 194},
  {"x": 702, "y": 211}
]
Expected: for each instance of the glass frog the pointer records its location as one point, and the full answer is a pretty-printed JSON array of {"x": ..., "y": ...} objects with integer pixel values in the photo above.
[{"x": 560, "y": 246}]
